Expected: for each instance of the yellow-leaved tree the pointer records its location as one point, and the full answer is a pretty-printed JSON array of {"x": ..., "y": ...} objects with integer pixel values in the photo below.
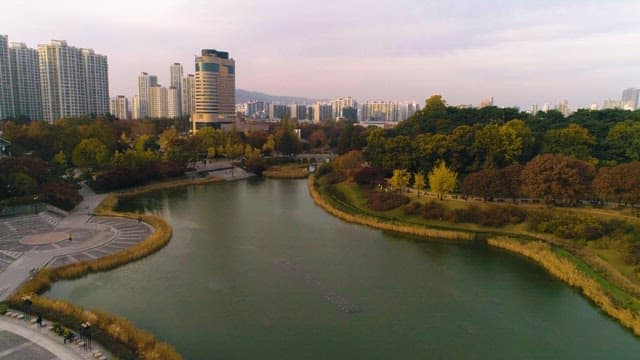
[{"x": 442, "y": 180}]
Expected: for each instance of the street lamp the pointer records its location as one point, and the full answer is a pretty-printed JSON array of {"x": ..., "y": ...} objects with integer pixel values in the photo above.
[
  {"x": 85, "y": 332},
  {"x": 35, "y": 203},
  {"x": 26, "y": 303}
]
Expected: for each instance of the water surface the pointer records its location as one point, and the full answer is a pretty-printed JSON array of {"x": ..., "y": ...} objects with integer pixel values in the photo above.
[{"x": 256, "y": 270}]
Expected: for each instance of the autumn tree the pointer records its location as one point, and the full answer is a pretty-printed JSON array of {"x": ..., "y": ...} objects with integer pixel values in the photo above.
[
  {"x": 442, "y": 180},
  {"x": 348, "y": 163},
  {"x": 619, "y": 183},
  {"x": 318, "y": 139},
  {"x": 419, "y": 182},
  {"x": 557, "y": 178},
  {"x": 400, "y": 179}
]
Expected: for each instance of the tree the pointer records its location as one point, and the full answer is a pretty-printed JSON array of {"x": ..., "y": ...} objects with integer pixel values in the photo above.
[
  {"x": 318, "y": 139},
  {"x": 400, "y": 179},
  {"x": 619, "y": 183},
  {"x": 557, "y": 178},
  {"x": 399, "y": 153},
  {"x": 442, "y": 180},
  {"x": 349, "y": 163},
  {"x": 269, "y": 145},
  {"x": 574, "y": 140},
  {"x": 419, "y": 182},
  {"x": 435, "y": 103},
  {"x": 516, "y": 141},
  {"x": 624, "y": 140},
  {"x": 375, "y": 148},
  {"x": 287, "y": 141},
  {"x": 90, "y": 154}
]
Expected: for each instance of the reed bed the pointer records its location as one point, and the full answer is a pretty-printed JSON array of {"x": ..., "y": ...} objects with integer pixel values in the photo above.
[
  {"x": 287, "y": 171},
  {"x": 612, "y": 300}
]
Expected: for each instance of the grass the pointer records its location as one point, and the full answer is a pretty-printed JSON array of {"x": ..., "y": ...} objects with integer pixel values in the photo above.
[
  {"x": 287, "y": 171},
  {"x": 117, "y": 334}
]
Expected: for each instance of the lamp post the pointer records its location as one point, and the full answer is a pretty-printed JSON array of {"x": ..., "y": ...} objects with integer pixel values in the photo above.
[
  {"x": 35, "y": 204},
  {"x": 26, "y": 303},
  {"x": 85, "y": 332}
]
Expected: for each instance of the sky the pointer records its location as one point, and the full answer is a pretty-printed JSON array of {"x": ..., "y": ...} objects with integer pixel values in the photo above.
[{"x": 521, "y": 52}]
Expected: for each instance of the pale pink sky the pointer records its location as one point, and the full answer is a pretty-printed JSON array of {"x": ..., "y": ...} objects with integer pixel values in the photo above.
[{"x": 521, "y": 52}]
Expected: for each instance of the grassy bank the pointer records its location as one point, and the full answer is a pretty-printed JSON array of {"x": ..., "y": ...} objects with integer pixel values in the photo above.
[
  {"x": 117, "y": 334},
  {"x": 340, "y": 211},
  {"x": 598, "y": 280},
  {"x": 287, "y": 171}
]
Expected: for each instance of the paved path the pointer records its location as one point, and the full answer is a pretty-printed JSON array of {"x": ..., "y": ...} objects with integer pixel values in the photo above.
[
  {"x": 92, "y": 238},
  {"x": 22, "y": 340}
]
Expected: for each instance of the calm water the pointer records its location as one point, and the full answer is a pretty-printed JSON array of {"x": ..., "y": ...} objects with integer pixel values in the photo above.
[{"x": 255, "y": 270}]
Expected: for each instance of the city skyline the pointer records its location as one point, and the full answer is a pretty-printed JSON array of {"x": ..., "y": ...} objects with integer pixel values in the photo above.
[{"x": 521, "y": 53}]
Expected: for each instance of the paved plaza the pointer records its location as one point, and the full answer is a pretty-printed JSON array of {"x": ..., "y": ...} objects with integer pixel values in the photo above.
[{"x": 52, "y": 239}]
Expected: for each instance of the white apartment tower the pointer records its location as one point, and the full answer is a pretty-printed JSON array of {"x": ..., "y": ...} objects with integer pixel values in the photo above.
[
  {"x": 25, "y": 75},
  {"x": 97, "y": 82},
  {"x": 188, "y": 95},
  {"x": 135, "y": 107},
  {"x": 173, "y": 103},
  {"x": 63, "y": 88},
  {"x": 119, "y": 107},
  {"x": 158, "y": 102},
  {"x": 6, "y": 88},
  {"x": 73, "y": 81},
  {"x": 176, "y": 82},
  {"x": 145, "y": 83}
]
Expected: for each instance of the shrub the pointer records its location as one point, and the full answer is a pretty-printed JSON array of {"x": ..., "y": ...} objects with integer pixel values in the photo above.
[
  {"x": 64, "y": 195},
  {"x": 323, "y": 169},
  {"x": 336, "y": 177},
  {"x": 471, "y": 214},
  {"x": 383, "y": 201},
  {"x": 333, "y": 191},
  {"x": 412, "y": 209},
  {"x": 434, "y": 210},
  {"x": 3, "y": 309},
  {"x": 369, "y": 176}
]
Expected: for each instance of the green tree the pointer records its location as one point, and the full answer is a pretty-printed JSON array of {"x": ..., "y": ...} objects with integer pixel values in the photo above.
[
  {"x": 574, "y": 140},
  {"x": 516, "y": 141},
  {"x": 442, "y": 180},
  {"x": 375, "y": 149},
  {"x": 435, "y": 103},
  {"x": 269, "y": 146},
  {"x": 90, "y": 154},
  {"x": 624, "y": 140}
]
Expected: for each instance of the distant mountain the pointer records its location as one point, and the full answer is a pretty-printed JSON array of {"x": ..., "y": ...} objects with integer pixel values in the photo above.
[{"x": 245, "y": 96}]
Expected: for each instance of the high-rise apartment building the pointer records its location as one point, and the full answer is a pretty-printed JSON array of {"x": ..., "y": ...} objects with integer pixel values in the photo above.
[
  {"x": 176, "y": 82},
  {"x": 145, "y": 83},
  {"x": 215, "y": 82},
  {"x": 158, "y": 102},
  {"x": 73, "y": 81},
  {"x": 119, "y": 107},
  {"x": 96, "y": 75},
  {"x": 6, "y": 87},
  {"x": 25, "y": 75},
  {"x": 173, "y": 103},
  {"x": 135, "y": 107},
  {"x": 63, "y": 87},
  {"x": 338, "y": 105},
  {"x": 488, "y": 101},
  {"x": 630, "y": 99},
  {"x": 321, "y": 112},
  {"x": 188, "y": 95}
]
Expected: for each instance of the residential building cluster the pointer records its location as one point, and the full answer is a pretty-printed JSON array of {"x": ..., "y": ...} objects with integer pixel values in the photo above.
[
  {"x": 55, "y": 80},
  {"x": 340, "y": 108},
  {"x": 628, "y": 101}
]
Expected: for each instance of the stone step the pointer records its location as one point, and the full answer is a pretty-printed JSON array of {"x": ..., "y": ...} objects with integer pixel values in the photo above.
[{"x": 12, "y": 254}]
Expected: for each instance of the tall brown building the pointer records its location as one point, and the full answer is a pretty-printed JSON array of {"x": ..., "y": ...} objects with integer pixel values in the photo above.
[{"x": 215, "y": 90}]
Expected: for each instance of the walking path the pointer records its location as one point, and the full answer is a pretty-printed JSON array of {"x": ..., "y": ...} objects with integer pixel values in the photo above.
[{"x": 21, "y": 339}]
